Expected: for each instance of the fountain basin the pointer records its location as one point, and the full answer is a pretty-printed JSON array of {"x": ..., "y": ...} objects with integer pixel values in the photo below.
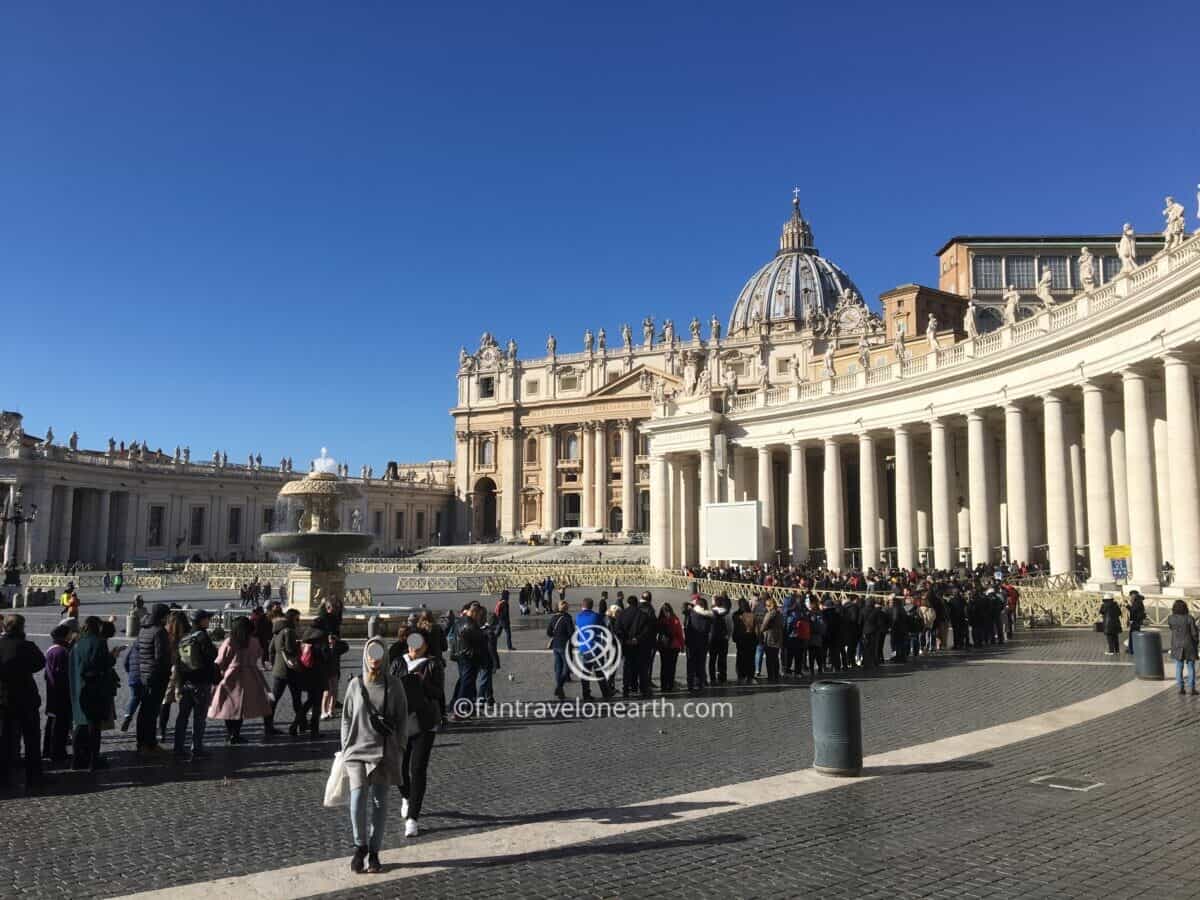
[{"x": 317, "y": 549}]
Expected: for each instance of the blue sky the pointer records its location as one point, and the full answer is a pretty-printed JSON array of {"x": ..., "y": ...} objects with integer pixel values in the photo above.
[{"x": 268, "y": 227}]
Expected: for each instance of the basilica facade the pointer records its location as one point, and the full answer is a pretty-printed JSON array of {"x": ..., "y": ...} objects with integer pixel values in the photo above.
[{"x": 1039, "y": 405}]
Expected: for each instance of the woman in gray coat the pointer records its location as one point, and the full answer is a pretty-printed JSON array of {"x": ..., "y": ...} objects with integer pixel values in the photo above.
[
  {"x": 374, "y": 721},
  {"x": 1184, "y": 639}
]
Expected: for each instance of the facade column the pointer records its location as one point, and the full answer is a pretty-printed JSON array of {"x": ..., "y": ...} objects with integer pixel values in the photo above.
[
  {"x": 1162, "y": 474},
  {"x": 629, "y": 503},
  {"x": 688, "y": 544},
  {"x": 600, "y": 442},
  {"x": 66, "y": 523},
  {"x": 10, "y": 528},
  {"x": 977, "y": 487},
  {"x": 1058, "y": 487},
  {"x": 833, "y": 507},
  {"x": 660, "y": 525},
  {"x": 129, "y": 527},
  {"x": 939, "y": 492},
  {"x": 1017, "y": 499},
  {"x": 766, "y": 498},
  {"x": 1181, "y": 459},
  {"x": 868, "y": 503},
  {"x": 1100, "y": 522},
  {"x": 924, "y": 503},
  {"x": 510, "y": 506},
  {"x": 798, "y": 505},
  {"x": 1115, "y": 419},
  {"x": 906, "y": 547},
  {"x": 549, "y": 479},
  {"x": 674, "y": 510},
  {"x": 105, "y": 504},
  {"x": 706, "y": 496},
  {"x": 1139, "y": 466},
  {"x": 587, "y": 499},
  {"x": 1078, "y": 482}
]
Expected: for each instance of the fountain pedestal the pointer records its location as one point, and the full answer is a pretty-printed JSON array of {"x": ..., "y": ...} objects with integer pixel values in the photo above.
[{"x": 307, "y": 589}]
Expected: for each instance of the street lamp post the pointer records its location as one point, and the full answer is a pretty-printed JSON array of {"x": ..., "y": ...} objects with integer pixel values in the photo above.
[{"x": 16, "y": 518}]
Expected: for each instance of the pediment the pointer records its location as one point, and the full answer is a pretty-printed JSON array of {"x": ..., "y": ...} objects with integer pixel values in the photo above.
[{"x": 631, "y": 383}]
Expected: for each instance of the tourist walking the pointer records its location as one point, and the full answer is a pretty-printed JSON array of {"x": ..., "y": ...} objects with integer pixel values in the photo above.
[
  {"x": 1184, "y": 641},
  {"x": 718, "y": 641},
  {"x": 177, "y": 626},
  {"x": 374, "y": 735},
  {"x": 423, "y": 695},
  {"x": 20, "y": 660},
  {"x": 559, "y": 631},
  {"x": 242, "y": 691},
  {"x": 745, "y": 640},
  {"x": 94, "y": 684},
  {"x": 589, "y": 625},
  {"x": 503, "y": 619},
  {"x": 154, "y": 670},
  {"x": 771, "y": 634},
  {"x": 1110, "y": 620},
  {"x": 697, "y": 633},
  {"x": 1136, "y": 607},
  {"x": 195, "y": 675},
  {"x": 284, "y": 658},
  {"x": 670, "y": 643},
  {"x": 58, "y": 692}
]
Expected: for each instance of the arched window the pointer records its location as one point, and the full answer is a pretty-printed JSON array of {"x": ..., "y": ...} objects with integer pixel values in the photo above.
[
  {"x": 531, "y": 450},
  {"x": 485, "y": 452}
]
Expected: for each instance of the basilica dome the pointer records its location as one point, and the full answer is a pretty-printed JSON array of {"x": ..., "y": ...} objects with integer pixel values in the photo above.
[{"x": 798, "y": 286}]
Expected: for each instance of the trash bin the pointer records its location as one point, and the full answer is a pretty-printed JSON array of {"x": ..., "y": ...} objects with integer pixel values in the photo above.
[
  {"x": 374, "y": 626},
  {"x": 132, "y": 624},
  {"x": 837, "y": 728},
  {"x": 1147, "y": 655}
]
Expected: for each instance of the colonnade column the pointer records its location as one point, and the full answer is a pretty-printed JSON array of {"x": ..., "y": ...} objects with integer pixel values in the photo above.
[
  {"x": 600, "y": 442},
  {"x": 1181, "y": 460},
  {"x": 629, "y": 521},
  {"x": 939, "y": 493},
  {"x": 1058, "y": 486},
  {"x": 766, "y": 497},
  {"x": 1139, "y": 468},
  {"x": 587, "y": 500},
  {"x": 906, "y": 548},
  {"x": 1017, "y": 499},
  {"x": 66, "y": 522},
  {"x": 977, "y": 459},
  {"x": 833, "y": 507},
  {"x": 687, "y": 508},
  {"x": 1100, "y": 522},
  {"x": 706, "y": 496},
  {"x": 510, "y": 507},
  {"x": 102, "y": 527},
  {"x": 798, "y": 505},
  {"x": 660, "y": 525},
  {"x": 549, "y": 479},
  {"x": 868, "y": 504},
  {"x": 10, "y": 531}
]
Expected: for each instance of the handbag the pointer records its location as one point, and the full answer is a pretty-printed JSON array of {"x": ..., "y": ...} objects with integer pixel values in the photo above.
[
  {"x": 382, "y": 724},
  {"x": 337, "y": 786}
]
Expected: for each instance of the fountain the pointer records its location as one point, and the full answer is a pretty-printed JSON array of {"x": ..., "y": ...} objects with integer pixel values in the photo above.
[{"x": 319, "y": 543}]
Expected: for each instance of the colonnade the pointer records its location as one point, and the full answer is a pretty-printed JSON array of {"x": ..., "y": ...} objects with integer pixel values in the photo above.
[{"x": 1053, "y": 478}]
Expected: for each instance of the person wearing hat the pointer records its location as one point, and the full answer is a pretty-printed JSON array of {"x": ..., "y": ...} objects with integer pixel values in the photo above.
[
  {"x": 1136, "y": 607},
  {"x": 195, "y": 675},
  {"x": 374, "y": 735},
  {"x": 284, "y": 655},
  {"x": 58, "y": 691},
  {"x": 424, "y": 695}
]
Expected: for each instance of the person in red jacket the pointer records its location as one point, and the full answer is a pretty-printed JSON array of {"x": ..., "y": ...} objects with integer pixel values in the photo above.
[{"x": 670, "y": 643}]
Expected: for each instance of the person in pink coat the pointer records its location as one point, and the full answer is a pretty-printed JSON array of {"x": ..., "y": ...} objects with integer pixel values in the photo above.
[{"x": 242, "y": 691}]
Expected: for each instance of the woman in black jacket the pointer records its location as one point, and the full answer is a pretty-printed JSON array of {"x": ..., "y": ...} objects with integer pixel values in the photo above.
[
  {"x": 1110, "y": 615},
  {"x": 696, "y": 631},
  {"x": 1136, "y": 608},
  {"x": 422, "y": 681}
]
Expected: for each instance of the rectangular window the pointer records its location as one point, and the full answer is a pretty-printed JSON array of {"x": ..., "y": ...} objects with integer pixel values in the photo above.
[
  {"x": 532, "y": 387},
  {"x": 1018, "y": 271},
  {"x": 268, "y": 520},
  {"x": 613, "y": 375},
  {"x": 487, "y": 388},
  {"x": 1058, "y": 271},
  {"x": 783, "y": 366},
  {"x": 400, "y": 525},
  {"x": 154, "y": 526},
  {"x": 738, "y": 367},
  {"x": 985, "y": 273},
  {"x": 1112, "y": 266},
  {"x": 378, "y": 523},
  {"x": 420, "y": 524},
  {"x": 569, "y": 383},
  {"x": 235, "y": 525},
  {"x": 196, "y": 536}
]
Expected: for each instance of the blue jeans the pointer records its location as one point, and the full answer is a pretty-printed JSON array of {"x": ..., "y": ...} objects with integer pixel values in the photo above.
[
  {"x": 504, "y": 628},
  {"x": 193, "y": 699},
  {"x": 467, "y": 671},
  {"x": 1191, "y": 666},
  {"x": 135, "y": 699},
  {"x": 485, "y": 684},
  {"x": 760, "y": 653},
  {"x": 368, "y": 815},
  {"x": 560, "y": 668}
]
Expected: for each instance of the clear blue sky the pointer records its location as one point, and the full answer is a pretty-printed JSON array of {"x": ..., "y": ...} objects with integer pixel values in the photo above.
[{"x": 269, "y": 226}]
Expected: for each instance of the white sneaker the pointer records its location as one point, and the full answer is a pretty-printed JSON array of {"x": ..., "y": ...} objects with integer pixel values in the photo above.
[
  {"x": 410, "y": 828},
  {"x": 404, "y": 807}
]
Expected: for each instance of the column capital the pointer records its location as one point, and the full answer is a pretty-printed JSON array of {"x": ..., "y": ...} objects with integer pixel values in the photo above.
[
  {"x": 976, "y": 414},
  {"x": 1051, "y": 396},
  {"x": 1133, "y": 372},
  {"x": 706, "y": 453},
  {"x": 1013, "y": 406},
  {"x": 1090, "y": 385},
  {"x": 900, "y": 430},
  {"x": 1173, "y": 356}
]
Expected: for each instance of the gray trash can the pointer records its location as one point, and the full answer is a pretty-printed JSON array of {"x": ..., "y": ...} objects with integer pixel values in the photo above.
[
  {"x": 1147, "y": 655},
  {"x": 837, "y": 728},
  {"x": 132, "y": 624}
]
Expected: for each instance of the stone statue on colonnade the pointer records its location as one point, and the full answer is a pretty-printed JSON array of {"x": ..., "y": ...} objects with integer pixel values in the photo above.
[
  {"x": 969, "y": 322},
  {"x": 1012, "y": 300},
  {"x": 1043, "y": 288},
  {"x": 1127, "y": 249},
  {"x": 931, "y": 333},
  {"x": 1173, "y": 232},
  {"x": 1087, "y": 269}
]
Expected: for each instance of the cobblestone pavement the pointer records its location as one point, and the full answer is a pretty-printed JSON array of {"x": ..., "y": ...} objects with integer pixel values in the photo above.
[{"x": 153, "y": 824}]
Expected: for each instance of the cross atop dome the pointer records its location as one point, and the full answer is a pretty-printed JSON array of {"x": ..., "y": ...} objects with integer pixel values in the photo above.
[{"x": 797, "y": 235}]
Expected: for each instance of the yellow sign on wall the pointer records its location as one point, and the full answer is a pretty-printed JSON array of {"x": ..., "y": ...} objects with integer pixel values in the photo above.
[{"x": 1117, "y": 551}]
